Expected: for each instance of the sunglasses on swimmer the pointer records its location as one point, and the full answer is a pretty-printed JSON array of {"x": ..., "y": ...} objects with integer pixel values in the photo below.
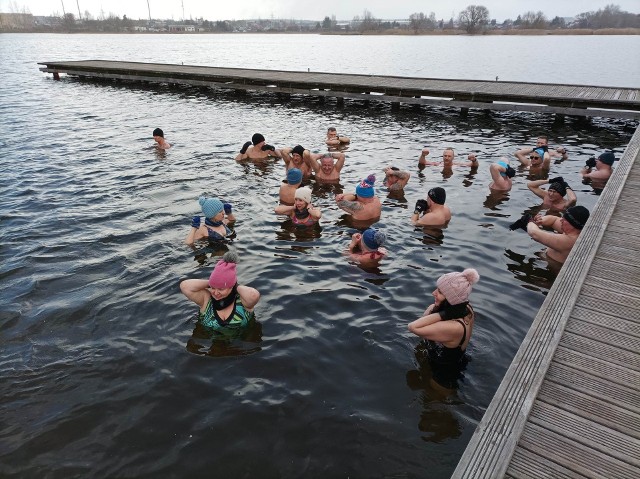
[{"x": 534, "y": 157}]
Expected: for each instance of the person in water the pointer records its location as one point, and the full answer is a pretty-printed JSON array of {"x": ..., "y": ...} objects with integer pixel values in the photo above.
[
  {"x": 325, "y": 166},
  {"x": 395, "y": 179},
  {"x": 366, "y": 247},
  {"x": 158, "y": 137},
  {"x": 302, "y": 213},
  {"x": 432, "y": 211},
  {"x": 297, "y": 157},
  {"x": 599, "y": 169},
  {"x": 447, "y": 324},
  {"x": 539, "y": 157},
  {"x": 335, "y": 140},
  {"x": 363, "y": 204},
  {"x": 289, "y": 186},
  {"x": 448, "y": 156},
  {"x": 565, "y": 231},
  {"x": 217, "y": 217},
  {"x": 223, "y": 302},
  {"x": 553, "y": 198},
  {"x": 501, "y": 174},
  {"x": 257, "y": 149}
]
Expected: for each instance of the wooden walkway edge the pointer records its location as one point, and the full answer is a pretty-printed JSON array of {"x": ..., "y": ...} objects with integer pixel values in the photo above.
[
  {"x": 569, "y": 404},
  {"x": 560, "y": 99}
]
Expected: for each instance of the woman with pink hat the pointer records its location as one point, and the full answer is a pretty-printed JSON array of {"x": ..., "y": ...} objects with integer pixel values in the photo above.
[
  {"x": 223, "y": 302},
  {"x": 447, "y": 324}
]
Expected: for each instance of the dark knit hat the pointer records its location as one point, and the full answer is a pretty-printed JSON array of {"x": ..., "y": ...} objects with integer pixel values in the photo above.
[
  {"x": 607, "y": 158},
  {"x": 298, "y": 150},
  {"x": 158, "y": 132},
  {"x": 577, "y": 216},
  {"x": 559, "y": 187},
  {"x": 257, "y": 138},
  {"x": 437, "y": 195}
]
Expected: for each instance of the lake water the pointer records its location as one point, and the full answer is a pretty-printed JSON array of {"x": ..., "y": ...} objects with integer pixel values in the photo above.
[{"x": 103, "y": 371}]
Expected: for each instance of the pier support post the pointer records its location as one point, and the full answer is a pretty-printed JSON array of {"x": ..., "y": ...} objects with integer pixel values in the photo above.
[
  {"x": 340, "y": 101},
  {"x": 56, "y": 76},
  {"x": 464, "y": 112}
]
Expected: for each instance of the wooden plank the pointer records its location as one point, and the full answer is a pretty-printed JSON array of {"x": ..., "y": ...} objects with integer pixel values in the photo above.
[
  {"x": 599, "y": 349},
  {"x": 597, "y": 318},
  {"x": 574, "y": 456},
  {"x": 581, "y": 430},
  {"x": 528, "y": 465},
  {"x": 609, "y": 306},
  {"x": 600, "y": 279},
  {"x": 590, "y": 385},
  {"x": 596, "y": 366},
  {"x": 599, "y": 411},
  {"x": 612, "y": 337}
]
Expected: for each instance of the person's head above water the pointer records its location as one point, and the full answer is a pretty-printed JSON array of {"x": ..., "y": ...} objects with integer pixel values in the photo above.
[
  {"x": 576, "y": 216},
  {"x": 211, "y": 207},
  {"x": 257, "y": 138},
  {"x": 456, "y": 287},
  {"x": 294, "y": 176},
  {"x": 437, "y": 195},
  {"x": 607, "y": 158},
  {"x": 158, "y": 132},
  {"x": 224, "y": 274},
  {"x": 303, "y": 194},
  {"x": 373, "y": 238},
  {"x": 365, "y": 187}
]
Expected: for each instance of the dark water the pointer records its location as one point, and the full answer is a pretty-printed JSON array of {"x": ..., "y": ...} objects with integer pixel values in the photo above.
[{"x": 103, "y": 371}]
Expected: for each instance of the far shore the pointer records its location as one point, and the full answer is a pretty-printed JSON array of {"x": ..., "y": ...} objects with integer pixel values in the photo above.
[{"x": 531, "y": 32}]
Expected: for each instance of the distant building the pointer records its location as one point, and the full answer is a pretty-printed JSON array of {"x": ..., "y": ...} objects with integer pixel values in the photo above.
[
  {"x": 181, "y": 27},
  {"x": 16, "y": 21}
]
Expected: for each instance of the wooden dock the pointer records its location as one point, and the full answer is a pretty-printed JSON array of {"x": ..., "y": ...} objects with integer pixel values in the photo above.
[
  {"x": 569, "y": 405},
  {"x": 574, "y": 100}
]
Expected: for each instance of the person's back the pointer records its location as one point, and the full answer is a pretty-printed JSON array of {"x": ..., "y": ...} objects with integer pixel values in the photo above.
[{"x": 289, "y": 186}]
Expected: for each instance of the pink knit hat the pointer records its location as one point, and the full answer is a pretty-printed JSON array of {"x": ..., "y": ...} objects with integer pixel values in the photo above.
[
  {"x": 456, "y": 287},
  {"x": 224, "y": 274}
]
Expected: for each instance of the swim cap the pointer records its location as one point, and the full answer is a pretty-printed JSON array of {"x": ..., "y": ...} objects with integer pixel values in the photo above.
[
  {"x": 294, "y": 176},
  {"x": 365, "y": 187},
  {"x": 577, "y": 216},
  {"x": 257, "y": 138},
  {"x": 158, "y": 132},
  {"x": 373, "y": 238},
  {"x": 559, "y": 187},
  {"x": 210, "y": 206},
  {"x": 224, "y": 274},
  {"x": 304, "y": 194},
  {"x": 437, "y": 195},
  {"x": 456, "y": 287},
  {"x": 607, "y": 158},
  {"x": 540, "y": 152},
  {"x": 299, "y": 150}
]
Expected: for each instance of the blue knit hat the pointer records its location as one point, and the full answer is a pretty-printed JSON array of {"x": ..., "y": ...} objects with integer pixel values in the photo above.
[
  {"x": 210, "y": 206},
  {"x": 373, "y": 238},
  {"x": 365, "y": 188},
  {"x": 540, "y": 152},
  {"x": 294, "y": 176}
]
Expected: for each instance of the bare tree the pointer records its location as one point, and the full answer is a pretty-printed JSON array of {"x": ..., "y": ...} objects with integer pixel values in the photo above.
[
  {"x": 418, "y": 22},
  {"x": 474, "y": 18},
  {"x": 533, "y": 20}
]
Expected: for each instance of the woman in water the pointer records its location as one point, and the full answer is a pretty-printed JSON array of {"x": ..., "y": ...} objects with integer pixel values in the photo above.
[
  {"x": 302, "y": 213},
  {"x": 223, "y": 302},
  {"x": 447, "y": 324},
  {"x": 217, "y": 215}
]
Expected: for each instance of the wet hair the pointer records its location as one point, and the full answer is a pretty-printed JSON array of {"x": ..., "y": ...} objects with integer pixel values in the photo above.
[
  {"x": 158, "y": 132},
  {"x": 331, "y": 128}
]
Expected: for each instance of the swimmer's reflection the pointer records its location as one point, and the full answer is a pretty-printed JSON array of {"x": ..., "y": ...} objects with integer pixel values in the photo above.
[
  {"x": 597, "y": 185},
  {"x": 432, "y": 235},
  {"x": 212, "y": 249},
  {"x": 327, "y": 190},
  {"x": 398, "y": 196},
  {"x": 438, "y": 384},
  {"x": 495, "y": 199},
  {"x": 226, "y": 342},
  {"x": 530, "y": 270},
  {"x": 289, "y": 231},
  {"x": 470, "y": 177},
  {"x": 347, "y": 220},
  {"x": 261, "y": 167},
  {"x": 161, "y": 153}
]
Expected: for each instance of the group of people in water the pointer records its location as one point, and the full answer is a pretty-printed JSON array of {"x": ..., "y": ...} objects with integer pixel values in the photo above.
[{"x": 447, "y": 324}]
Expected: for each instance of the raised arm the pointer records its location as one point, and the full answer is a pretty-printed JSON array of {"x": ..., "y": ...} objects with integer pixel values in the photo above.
[
  {"x": 340, "y": 161},
  {"x": 552, "y": 240},
  {"x": 348, "y": 202},
  {"x": 522, "y": 156},
  {"x": 534, "y": 186},
  {"x": 571, "y": 197},
  {"x": 249, "y": 296},
  {"x": 196, "y": 290},
  {"x": 432, "y": 327},
  {"x": 312, "y": 160},
  {"x": 285, "y": 154}
]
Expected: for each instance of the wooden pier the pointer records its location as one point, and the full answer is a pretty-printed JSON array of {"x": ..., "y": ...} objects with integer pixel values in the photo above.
[
  {"x": 573, "y": 100},
  {"x": 569, "y": 405}
]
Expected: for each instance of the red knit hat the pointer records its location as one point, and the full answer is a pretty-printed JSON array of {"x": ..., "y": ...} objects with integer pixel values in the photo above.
[
  {"x": 456, "y": 287},
  {"x": 224, "y": 274}
]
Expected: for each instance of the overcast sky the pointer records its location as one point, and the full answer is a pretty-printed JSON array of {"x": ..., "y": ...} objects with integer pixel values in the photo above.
[{"x": 309, "y": 9}]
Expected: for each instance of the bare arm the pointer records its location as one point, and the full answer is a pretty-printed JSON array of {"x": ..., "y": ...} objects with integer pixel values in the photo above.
[
  {"x": 348, "y": 202},
  {"x": 571, "y": 198},
  {"x": 340, "y": 163},
  {"x": 249, "y": 296},
  {"x": 311, "y": 159},
  {"x": 432, "y": 327},
  {"x": 555, "y": 241},
  {"x": 534, "y": 186},
  {"x": 521, "y": 155},
  {"x": 284, "y": 210},
  {"x": 285, "y": 154},
  {"x": 196, "y": 290}
]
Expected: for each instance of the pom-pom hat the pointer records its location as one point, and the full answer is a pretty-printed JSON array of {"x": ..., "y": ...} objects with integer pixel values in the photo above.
[
  {"x": 303, "y": 194},
  {"x": 224, "y": 274},
  {"x": 456, "y": 287},
  {"x": 365, "y": 187}
]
